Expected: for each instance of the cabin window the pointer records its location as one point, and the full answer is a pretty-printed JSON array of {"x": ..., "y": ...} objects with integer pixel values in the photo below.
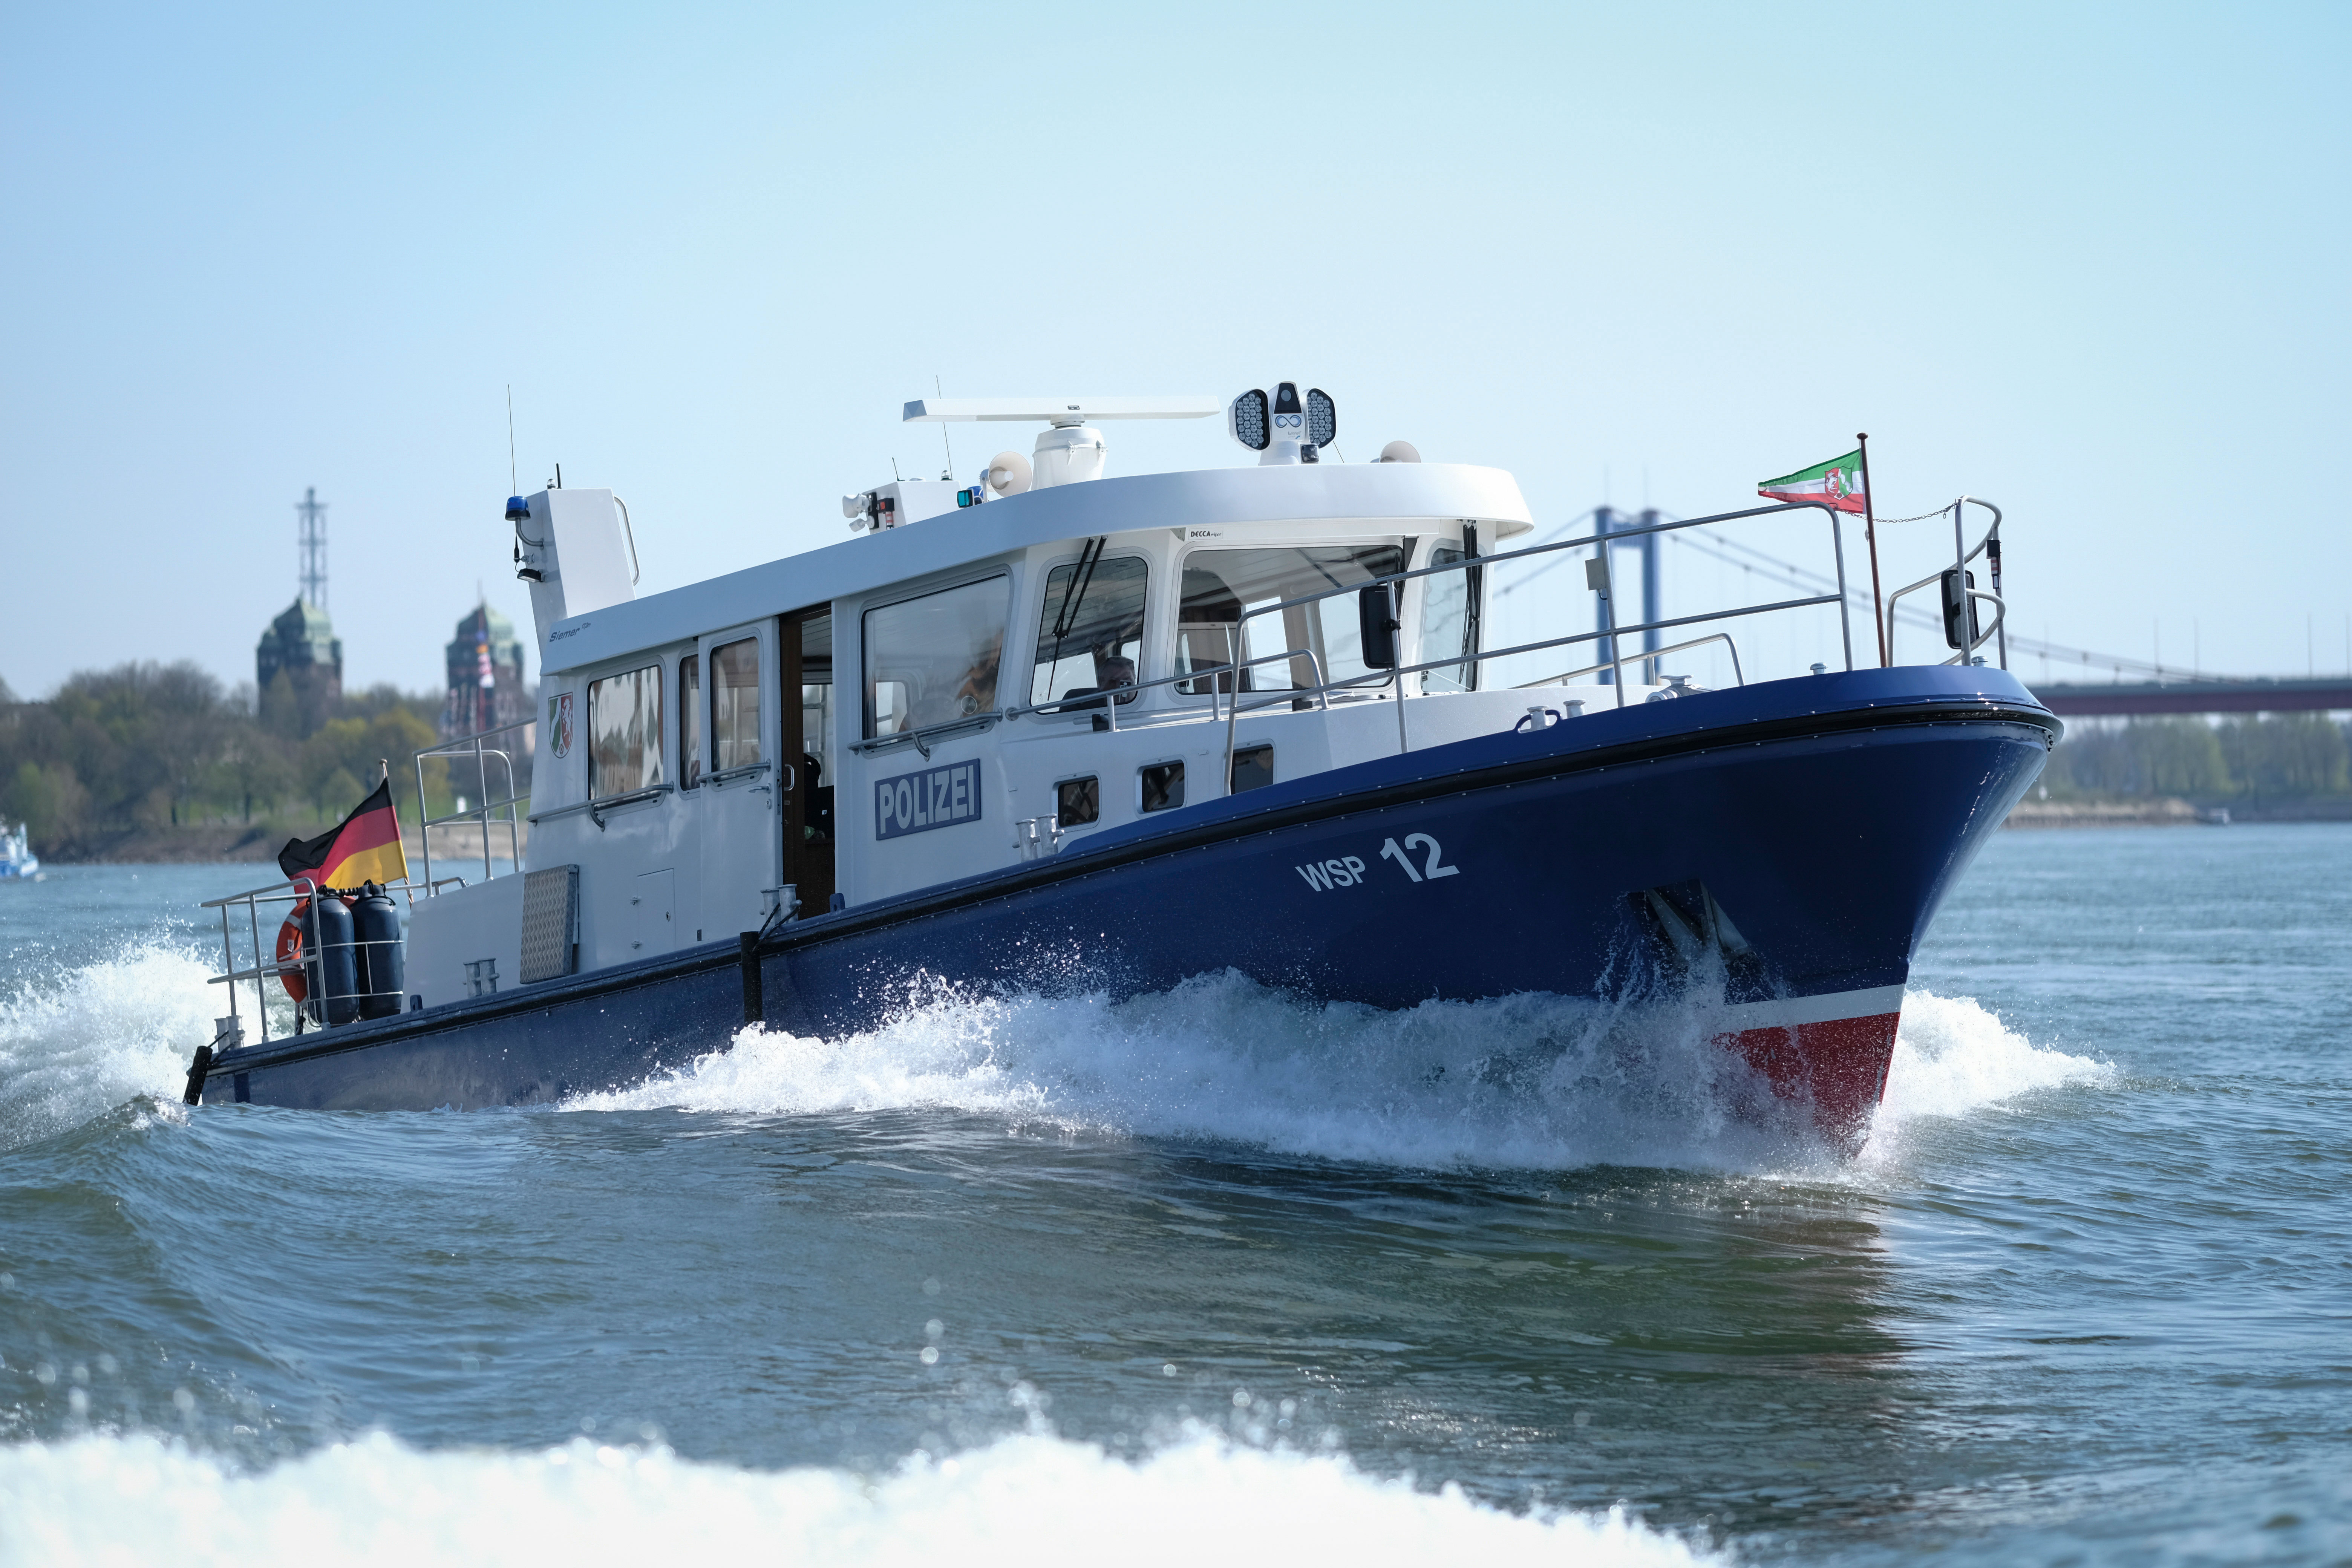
[
  {"x": 935, "y": 659},
  {"x": 1090, "y": 633},
  {"x": 624, "y": 732},
  {"x": 1077, "y": 801},
  {"x": 1220, "y": 585},
  {"x": 1446, "y": 627},
  {"x": 1253, "y": 768},
  {"x": 689, "y": 722},
  {"x": 735, "y": 705},
  {"x": 1163, "y": 785}
]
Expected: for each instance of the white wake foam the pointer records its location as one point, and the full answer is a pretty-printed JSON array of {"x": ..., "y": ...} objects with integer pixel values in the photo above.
[
  {"x": 1034, "y": 1499},
  {"x": 1953, "y": 1057},
  {"x": 1534, "y": 1082},
  {"x": 80, "y": 1042}
]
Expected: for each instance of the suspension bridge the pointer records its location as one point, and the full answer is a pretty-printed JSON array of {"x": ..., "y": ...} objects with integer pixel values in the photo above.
[{"x": 2135, "y": 687}]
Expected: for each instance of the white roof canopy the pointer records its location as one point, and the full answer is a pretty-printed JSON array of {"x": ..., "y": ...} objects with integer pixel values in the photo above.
[{"x": 1384, "y": 496}]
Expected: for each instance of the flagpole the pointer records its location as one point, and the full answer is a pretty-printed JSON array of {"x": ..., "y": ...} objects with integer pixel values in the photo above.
[{"x": 1870, "y": 532}]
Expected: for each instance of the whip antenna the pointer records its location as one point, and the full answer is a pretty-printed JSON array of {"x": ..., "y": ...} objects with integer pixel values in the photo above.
[{"x": 943, "y": 431}]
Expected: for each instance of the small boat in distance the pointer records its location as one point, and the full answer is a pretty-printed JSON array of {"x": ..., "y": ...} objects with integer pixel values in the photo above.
[
  {"x": 17, "y": 861},
  {"x": 1049, "y": 730}
]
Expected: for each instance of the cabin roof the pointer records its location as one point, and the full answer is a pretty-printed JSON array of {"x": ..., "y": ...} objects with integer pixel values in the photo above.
[{"x": 1200, "y": 498}]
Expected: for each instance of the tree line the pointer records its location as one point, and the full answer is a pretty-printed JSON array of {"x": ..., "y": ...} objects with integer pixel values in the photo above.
[
  {"x": 158, "y": 746},
  {"x": 2269, "y": 756}
]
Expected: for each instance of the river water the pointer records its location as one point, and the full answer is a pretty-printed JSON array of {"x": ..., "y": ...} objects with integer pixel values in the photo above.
[{"x": 1215, "y": 1274}]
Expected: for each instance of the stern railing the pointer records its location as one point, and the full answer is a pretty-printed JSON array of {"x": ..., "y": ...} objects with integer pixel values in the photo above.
[{"x": 509, "y": 811}]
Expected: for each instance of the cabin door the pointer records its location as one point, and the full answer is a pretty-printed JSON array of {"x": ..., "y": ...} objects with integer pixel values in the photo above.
[
  {"x": 806, "y": 650},
  {"x": 740, "y": 819}
]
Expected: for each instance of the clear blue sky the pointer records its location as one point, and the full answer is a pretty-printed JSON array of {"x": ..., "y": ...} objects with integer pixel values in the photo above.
[{"x": 2089, "y": 261}]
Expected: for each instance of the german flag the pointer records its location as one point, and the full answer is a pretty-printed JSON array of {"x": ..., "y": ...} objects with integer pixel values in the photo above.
[{"x": 363, "y": 848}]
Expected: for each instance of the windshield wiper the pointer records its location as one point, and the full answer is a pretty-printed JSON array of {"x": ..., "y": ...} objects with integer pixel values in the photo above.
[{"x": 1082, "y": 577}]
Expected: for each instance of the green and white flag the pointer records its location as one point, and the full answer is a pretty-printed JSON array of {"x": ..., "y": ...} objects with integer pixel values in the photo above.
[{"x": 1836, "y": 483}]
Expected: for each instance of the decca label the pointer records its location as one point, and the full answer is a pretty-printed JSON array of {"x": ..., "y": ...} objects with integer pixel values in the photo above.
[{"x": 935, "y": 797}]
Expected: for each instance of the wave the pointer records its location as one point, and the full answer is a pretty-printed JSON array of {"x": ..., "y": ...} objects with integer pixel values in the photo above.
[
  {"x": 1953, "y": 1057},
  {"x": 1036, "y": 1498},
  {"x": 1524, "y": 1082},
  {"x": 1533, "y": 1082},
  {"x": 84, "y": 1040}
]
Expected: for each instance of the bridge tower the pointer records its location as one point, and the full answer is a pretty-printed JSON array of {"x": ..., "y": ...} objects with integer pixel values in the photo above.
[{"x": 1607, "y": 521}]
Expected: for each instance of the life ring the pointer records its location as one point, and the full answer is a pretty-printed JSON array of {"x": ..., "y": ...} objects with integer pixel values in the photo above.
[{"x": 289, "y": 952}]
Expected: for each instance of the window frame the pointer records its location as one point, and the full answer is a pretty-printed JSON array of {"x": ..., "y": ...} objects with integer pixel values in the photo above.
[
  {"x": 867, "y": 608},
  {"x": 1152, "y": 613},
  {"x": 660, "y": 737},
  {"x": 690, "y": 767},
  {"x": 1142, "y": 799},
  {"x": 1061, "y": 785},
  {"x": 718, "y": 643},
  {"x": 1404, "y": 545}
]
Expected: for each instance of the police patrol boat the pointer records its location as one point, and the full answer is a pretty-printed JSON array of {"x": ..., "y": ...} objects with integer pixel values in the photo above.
[{"x": 1059, "y": 730}]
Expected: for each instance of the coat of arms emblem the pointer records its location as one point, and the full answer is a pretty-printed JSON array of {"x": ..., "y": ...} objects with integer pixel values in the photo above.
[{"x": 558, "y": 723}]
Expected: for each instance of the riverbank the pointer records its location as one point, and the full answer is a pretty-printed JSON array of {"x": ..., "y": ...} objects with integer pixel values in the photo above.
[
  {"x": 2172, "y": 811},
  {"x": 257, "y": 843}
]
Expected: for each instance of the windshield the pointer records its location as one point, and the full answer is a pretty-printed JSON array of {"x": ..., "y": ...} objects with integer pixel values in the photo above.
[
  {"x": 1099, "y": 617},
  {"x": 1223, "y": 585}
]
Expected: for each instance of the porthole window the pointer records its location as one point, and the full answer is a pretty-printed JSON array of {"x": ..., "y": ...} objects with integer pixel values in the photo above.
[
  {"x": 1163, "y": 785},
  {"x": 1077, "y": 801},
  {"x": 1253, "y": 768}
]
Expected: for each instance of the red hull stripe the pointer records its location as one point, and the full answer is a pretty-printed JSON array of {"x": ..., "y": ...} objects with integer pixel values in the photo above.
[{"x": 1838, "y": 1064}]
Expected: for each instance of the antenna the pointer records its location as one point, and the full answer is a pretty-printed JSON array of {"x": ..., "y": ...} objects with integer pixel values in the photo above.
[
  {"x": 943, "y": 431},
  {"x": 514, "y": 479},
  {"x": 1071, "y": 449},
  {"x": 313, "y": 546}
]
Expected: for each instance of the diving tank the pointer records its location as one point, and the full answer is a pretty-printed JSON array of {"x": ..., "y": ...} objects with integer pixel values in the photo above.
[
  {"x": 334, "y": 973},
  {"x": 382, "y": 969}
]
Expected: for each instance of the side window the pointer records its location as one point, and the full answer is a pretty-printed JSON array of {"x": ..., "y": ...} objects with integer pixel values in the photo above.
[
  {"x": 1090, "y": 633},
  {"x": 1253, "y": 768},
  {"x": 689, "y": 722},
  {"x": 1077, "y": 801},
  {"x": 735, "y": 705},
  {"x": 1163, "y": 785},
  {"x": 935, "y": 659},
  {"x": 624, "y": 732},
  {"x": 1445, "y": 626}
]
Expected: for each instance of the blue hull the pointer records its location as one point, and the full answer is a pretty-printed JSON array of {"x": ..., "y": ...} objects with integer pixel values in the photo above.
[{"x": 1817, "y": 823}]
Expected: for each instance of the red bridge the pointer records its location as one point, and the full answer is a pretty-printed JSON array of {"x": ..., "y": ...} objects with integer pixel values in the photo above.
[{"x": 2197, "y": 696}]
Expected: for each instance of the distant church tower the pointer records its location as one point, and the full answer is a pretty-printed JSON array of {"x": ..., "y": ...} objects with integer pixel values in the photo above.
[
  {"x": 486, "y": 689},
  {"x": 297, "y": 666}
]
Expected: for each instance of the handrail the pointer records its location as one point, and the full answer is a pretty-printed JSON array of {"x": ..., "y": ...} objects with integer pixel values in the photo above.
[
  {"x": 486, "y": 814},
  {"x": 629, "y": 529},
  {"x": 920, "y": 738},
  {"x": 302, "y": 893},
  {"x": 1621, "y": 660},
  {"x": 603, "y": 803},
  {"x": 1988, "y": 546}
]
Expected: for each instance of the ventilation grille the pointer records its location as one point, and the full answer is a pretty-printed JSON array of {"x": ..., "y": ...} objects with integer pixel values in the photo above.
[{"x": 551, "y": 923}]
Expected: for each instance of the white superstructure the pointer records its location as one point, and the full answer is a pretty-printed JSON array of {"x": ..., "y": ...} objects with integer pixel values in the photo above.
[{"x": 982, "y": 674}]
